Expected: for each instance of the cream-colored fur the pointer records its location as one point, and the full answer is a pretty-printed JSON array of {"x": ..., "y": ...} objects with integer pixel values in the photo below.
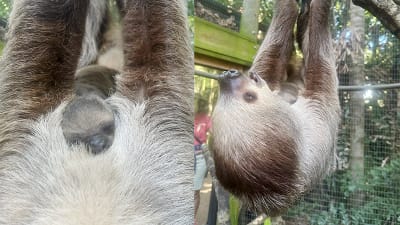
[{"x": 140, "y": 180}]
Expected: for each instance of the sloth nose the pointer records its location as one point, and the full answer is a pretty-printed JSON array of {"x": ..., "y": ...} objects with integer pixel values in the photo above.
[
  {"x": 98, "y": 143},
  {"x": 230, "y": 80}
]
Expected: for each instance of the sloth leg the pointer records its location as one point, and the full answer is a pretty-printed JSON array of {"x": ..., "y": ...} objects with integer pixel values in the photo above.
[
  {"x": 276, "y": 50},
  {"x": 41, "y": 56},
  {"x": 320, "y": 75}
]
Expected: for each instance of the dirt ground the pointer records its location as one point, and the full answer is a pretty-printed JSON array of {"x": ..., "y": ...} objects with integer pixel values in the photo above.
[{"x": 205, "y": 193}]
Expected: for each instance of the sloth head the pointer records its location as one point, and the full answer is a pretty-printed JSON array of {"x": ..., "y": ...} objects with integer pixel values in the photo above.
[
  {"x": 255, "y": 144},
  {"x": 89, "y": 120}
]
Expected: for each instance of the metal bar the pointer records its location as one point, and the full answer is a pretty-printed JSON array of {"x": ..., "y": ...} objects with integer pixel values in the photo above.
[
  {"x": 205, "y": 74},
  {"x": 341, "y": 88},
  {"x": 369, "y": 87}
]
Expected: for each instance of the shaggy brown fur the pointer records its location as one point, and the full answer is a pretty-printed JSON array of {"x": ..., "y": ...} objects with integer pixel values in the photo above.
[
  {"x": 269, "y": 150},
  {"x": 42, "y": 77},
  {"x": 148, "y": 51}
]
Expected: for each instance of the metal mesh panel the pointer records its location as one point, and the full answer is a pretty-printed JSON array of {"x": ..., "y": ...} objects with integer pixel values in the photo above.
[
  {"x": 365, "y": 188},
  {"x": 373, "y": 198}
]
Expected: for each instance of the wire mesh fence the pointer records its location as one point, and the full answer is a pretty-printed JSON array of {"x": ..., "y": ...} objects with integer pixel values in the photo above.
[{"x": 365, "y": 188}]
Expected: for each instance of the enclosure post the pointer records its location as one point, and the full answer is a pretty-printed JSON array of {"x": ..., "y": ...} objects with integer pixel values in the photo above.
[
  {"x": 249, "y": 19},
  {"x": 357, "y": 75}
]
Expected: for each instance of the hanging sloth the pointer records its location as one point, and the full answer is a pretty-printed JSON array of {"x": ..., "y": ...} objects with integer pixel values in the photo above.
[{"x": 274, "y": 130}]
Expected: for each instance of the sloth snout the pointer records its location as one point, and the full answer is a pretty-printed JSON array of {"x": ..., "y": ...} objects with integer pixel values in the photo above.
[
  {"x": 98, "y": 144},
  {"x": 230, "y": 81}
]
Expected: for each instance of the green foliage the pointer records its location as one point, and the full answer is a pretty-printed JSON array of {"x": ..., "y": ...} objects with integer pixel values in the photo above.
[
  {"x": 205, "y": 90},
  {"x": 381, "y": 204},
  {"x": 190, "y": 7},
  {"x": 5, "y": 6},
  {"x": 266, "y": 9}
]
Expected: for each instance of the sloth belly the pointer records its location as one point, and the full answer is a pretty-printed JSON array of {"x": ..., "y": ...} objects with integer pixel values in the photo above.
[{"x": 66, "y": 184}]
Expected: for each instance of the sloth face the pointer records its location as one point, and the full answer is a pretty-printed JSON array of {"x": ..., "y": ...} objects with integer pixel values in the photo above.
[
  {"x": 255, "y": 143},
  {"x": 244, "y": 90},
  {"x": 89, "y": 120}
]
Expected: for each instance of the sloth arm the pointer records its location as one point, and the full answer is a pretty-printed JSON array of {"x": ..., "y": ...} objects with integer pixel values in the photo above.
[
  {"x": 273, "y": 58},
  {"x": 41, "y": 55}
]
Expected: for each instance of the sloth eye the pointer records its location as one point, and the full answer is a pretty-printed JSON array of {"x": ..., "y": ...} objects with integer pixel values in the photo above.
[
  {"x": 250, "y": 97},
  {"x": 108, "y": 129}
]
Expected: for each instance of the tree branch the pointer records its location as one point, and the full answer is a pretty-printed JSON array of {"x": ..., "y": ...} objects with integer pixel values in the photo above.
[{"x": 388, "y": 12}]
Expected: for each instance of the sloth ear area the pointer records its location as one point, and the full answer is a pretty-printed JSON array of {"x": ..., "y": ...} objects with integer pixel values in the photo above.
[{"x": 257, "y": 79}]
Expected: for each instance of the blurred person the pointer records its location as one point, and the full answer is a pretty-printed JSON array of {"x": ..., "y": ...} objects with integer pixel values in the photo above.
[{"x": 202, "y": 124}]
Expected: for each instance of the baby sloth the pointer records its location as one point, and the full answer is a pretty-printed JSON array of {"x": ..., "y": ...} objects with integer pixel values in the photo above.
[
  {"x": 88, "y": 119},
  {"x": 272, "y": 142}
]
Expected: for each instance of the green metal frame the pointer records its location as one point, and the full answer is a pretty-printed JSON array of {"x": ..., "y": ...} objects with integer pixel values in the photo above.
[{"x": 221, "y": 43}]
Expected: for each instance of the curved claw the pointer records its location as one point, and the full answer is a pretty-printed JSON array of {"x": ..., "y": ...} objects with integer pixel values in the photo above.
[{"x": 229, "y": 74}]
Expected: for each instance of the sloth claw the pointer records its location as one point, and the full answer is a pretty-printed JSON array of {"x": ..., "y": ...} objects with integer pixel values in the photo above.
[{"x": 229, "y": 74}]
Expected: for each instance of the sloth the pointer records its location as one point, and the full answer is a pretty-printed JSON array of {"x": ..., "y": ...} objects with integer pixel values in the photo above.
[
  {"x": 283, "y": 138},
  {"x": 145, "y": 176}
]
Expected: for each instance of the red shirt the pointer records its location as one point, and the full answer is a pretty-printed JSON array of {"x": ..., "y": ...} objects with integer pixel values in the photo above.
[{"x": 202, "y": 123}]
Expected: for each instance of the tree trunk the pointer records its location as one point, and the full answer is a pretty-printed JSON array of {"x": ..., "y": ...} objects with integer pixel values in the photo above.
[{"x": 357, "y": 23}]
